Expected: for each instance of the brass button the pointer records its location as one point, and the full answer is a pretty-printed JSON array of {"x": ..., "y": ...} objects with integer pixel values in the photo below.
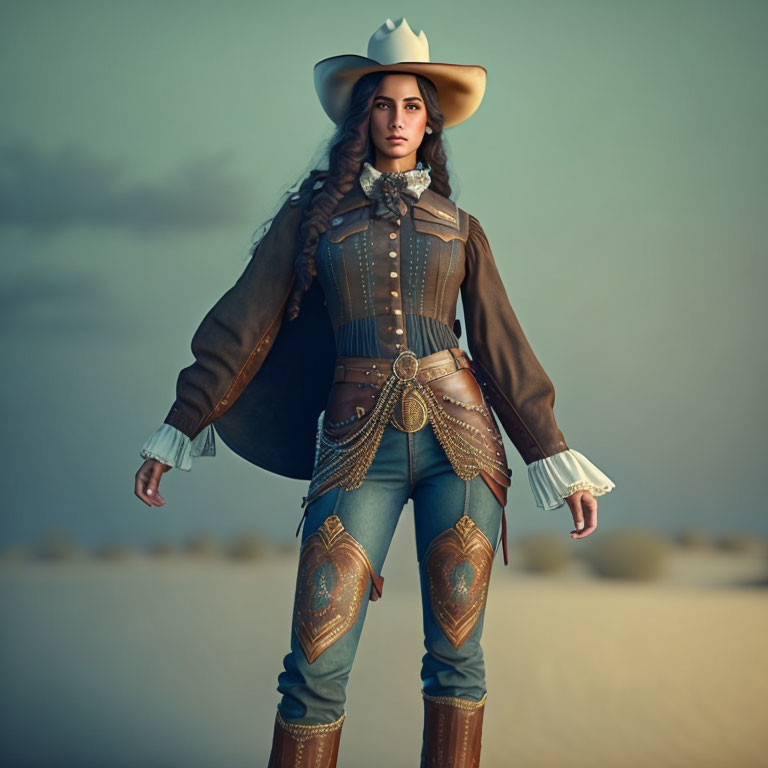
[
  {"x": 386, "y": 309},
  {"x": 389, "y": 327},
  {"x": 392, "y": 254},
  {"x": 392, "y": 235},
  {"x": 398, "y": 311},
  {"x": 393, "y": 274},
  {"x": 398, "y": 222},
  {"x": 394, "y": 293},
  {"x": 398, "y": 346},
  {"x": 399, "y": 331}
]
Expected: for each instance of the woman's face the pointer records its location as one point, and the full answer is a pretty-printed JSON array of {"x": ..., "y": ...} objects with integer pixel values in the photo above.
[{"x": 398, "y": 110}]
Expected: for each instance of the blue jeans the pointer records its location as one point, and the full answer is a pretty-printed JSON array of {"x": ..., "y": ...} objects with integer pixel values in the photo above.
[{"x": 453, "y": 587}]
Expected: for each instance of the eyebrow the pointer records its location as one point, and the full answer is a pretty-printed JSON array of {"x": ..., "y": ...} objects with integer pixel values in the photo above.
[{"x": 407, "y": 98}]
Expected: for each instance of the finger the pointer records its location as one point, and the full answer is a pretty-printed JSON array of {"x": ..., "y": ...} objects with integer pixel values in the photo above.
[
  {"x": 588, "y": 504},
  {"x": 574, "y": 502},
  {"x": 153, "y": 489},
  {"x": 584, "y": 532},
  {"x": 140, "y": 484}
]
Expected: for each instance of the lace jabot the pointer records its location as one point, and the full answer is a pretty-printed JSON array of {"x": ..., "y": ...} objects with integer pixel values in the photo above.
[{"x": 393, "y": 190}]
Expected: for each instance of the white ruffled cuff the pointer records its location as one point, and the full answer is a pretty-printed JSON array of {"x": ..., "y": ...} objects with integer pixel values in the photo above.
[
  {"x": 557, "y": 476},
  {"x": 171, "y": 446}
]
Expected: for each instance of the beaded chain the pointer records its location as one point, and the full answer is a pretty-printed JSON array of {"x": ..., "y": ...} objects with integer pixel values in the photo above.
[{"x": 345, "y": 462}]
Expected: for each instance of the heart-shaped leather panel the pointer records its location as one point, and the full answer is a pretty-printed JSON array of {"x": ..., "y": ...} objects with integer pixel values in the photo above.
[
  {"x": 334, "y": 577},
  {"x": 458, "y": 570}
]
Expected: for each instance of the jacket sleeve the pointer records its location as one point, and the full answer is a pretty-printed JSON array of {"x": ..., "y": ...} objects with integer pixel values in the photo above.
[
  {"x": 236, "y": 334},
  {"x": 520, "y": 390},
  {"x": 517, "y": 386}
]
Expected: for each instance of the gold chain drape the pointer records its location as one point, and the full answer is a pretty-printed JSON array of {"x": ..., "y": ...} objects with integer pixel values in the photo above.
[{"x": 345, "y": 462}]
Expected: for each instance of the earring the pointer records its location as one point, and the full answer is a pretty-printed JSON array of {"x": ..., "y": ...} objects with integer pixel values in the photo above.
[{"x": 428, "y": 129}]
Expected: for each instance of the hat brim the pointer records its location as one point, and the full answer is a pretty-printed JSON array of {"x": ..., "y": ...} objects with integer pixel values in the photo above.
[{"x": 460, "y": 87}]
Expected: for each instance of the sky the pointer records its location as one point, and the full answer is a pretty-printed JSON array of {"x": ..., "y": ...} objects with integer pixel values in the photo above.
[{"x": 617, "y": 164}]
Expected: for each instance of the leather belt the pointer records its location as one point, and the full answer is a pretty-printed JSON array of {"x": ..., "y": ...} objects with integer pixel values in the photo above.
[{"x": 376, "y": 370}]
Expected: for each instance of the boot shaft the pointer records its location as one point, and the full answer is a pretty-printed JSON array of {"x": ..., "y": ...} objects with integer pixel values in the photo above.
[
  {"x": 453, "y": 730},
  {"x": 296, "y": 745}
]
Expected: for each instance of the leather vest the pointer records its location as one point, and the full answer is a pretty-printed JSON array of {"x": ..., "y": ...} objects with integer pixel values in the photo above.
[{"x": 390, "y": 286}]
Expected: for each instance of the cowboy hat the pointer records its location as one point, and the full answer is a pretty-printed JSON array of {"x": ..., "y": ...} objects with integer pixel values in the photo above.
[{"x": 395, "y": 47}]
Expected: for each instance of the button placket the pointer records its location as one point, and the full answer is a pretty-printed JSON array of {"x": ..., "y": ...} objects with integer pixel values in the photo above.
[{"x": 396, "y": 326}]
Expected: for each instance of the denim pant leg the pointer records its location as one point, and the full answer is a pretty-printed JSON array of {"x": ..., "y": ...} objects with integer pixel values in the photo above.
[
  {"x": 441, "y": 498},
  {"x": 315, "y": 693}
]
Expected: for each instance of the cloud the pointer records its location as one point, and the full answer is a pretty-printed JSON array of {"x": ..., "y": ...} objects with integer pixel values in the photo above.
[
  {"x": 73, "y": 187},
  {"x": 57, "y": 305}
]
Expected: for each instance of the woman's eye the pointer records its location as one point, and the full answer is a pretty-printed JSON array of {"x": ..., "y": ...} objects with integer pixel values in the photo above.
[{"x": 416, "y": 107}]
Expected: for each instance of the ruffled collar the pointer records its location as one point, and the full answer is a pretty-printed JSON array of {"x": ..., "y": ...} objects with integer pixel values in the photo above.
[{"x": 395, "y": 190}]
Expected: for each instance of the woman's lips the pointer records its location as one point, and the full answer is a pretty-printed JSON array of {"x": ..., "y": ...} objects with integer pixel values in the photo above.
[{"x": 397, "y": 139}]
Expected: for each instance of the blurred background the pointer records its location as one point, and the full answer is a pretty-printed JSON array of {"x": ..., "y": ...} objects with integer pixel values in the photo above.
[{"x": 618, "y": 166}]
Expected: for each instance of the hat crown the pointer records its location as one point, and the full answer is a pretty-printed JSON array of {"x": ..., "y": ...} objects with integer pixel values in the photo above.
[{"x": 394, "y": 42}]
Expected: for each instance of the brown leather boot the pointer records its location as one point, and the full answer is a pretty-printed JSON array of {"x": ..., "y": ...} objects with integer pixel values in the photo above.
[
  {"x": 296, "y": 745},
  {"x": 453, "y": 730}
]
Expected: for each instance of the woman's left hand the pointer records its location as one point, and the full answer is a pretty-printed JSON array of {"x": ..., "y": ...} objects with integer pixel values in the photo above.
[{"x": 584, "y": 510}]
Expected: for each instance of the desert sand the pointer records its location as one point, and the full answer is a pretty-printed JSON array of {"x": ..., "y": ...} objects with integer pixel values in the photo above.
[{"x": 173, "y": 662}]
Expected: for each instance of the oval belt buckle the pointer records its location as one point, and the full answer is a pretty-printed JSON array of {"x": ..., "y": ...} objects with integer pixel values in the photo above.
[
  {"x": 412, "y": 404},
  {"x": 406, "y": 365}
]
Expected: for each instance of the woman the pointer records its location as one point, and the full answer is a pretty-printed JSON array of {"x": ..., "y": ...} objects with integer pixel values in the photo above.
[{"x": 347, "y": 311}]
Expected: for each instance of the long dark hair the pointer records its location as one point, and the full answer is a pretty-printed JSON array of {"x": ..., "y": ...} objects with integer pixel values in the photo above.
[{"x": 349, "y": 147}]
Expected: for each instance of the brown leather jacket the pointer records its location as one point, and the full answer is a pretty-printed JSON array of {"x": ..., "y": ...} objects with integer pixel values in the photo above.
[{"x": 263, "y": 381}]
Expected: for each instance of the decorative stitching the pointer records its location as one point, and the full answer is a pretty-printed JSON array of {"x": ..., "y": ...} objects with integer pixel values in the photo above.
[
  {"x": 278, "y": 317},
  {"x": 303, "y": 731},
  {"x": 455, "y": 701}
]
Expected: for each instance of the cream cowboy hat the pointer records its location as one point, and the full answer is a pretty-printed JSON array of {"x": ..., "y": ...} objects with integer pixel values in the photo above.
[{"x": 395, "y": 47}]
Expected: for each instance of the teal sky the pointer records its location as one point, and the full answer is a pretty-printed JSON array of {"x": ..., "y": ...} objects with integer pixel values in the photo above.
[{"x": 617, "y": 164}]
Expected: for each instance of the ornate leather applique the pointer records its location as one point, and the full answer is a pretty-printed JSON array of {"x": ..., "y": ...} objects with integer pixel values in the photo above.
[
  {"x": 334, "y": 577},
  {"x": 458, "y": 568}
]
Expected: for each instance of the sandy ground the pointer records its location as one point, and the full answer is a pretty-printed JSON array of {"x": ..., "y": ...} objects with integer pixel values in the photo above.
[{"x": 174, "y": 663}]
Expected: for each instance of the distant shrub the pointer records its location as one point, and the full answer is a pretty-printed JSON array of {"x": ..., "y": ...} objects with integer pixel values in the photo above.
[
  {"x": 58, "y": 546},
  {"x": 739, "y": 542},
  {"x": 161, "y": 549},
  {"x": 248, "y": 546},
  {"x": 203, "y": 545},
  {"x": 113, "y": 552},
  {"x": 628, "y": 555},
  {"x": 693, "y": 539},
  {"x": 543, "y": 553},
  {"x": 13, "y": 554}
]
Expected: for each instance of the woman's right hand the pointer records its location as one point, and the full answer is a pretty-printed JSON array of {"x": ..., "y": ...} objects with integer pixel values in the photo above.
[{"x": 148, "y": 480}]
